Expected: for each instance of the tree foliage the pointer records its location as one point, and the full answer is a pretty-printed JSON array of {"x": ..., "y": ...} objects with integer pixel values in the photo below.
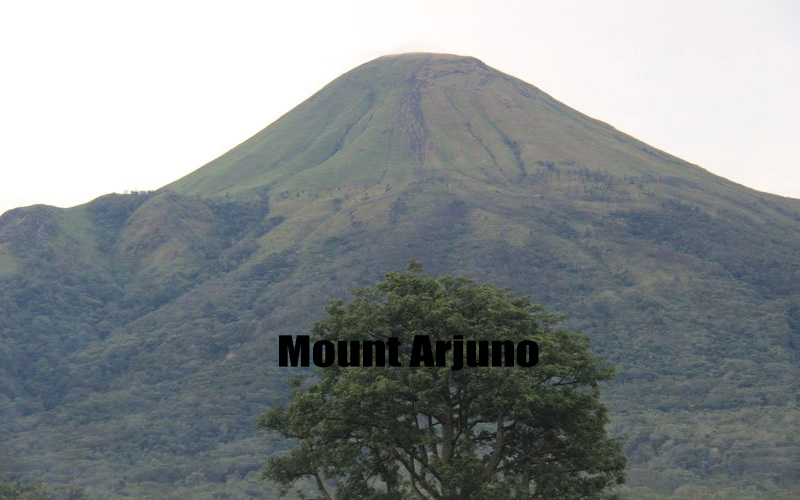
[
  {"x": 434, "y": 432},
  {"x": 15, "y": 490}
]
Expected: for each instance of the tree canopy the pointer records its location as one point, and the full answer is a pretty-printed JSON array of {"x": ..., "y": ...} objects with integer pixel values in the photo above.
[{"x": 435, "y": 432}]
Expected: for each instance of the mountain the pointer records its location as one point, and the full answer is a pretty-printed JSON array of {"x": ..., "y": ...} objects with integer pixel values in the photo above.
[{"x": 138, "y": 332}]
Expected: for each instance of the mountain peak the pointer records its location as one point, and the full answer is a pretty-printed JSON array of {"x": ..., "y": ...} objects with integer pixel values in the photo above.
[
  {"x": 412, "y": 67},
  {"x": 404, "y": 117},
  {"x": 425, "y": 57},
  {"x": 415, "y": 68},
  {"x": 428, "y": 59}
]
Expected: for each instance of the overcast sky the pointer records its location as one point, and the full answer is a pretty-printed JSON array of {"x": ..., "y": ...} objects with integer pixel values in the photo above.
[{"x": 102, "y": 96}]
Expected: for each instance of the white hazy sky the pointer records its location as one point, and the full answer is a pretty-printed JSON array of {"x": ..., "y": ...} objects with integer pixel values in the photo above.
[{"x": 104, "y": 96}]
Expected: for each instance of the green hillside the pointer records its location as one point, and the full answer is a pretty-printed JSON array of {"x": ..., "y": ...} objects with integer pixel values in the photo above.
[{"x": 138, "y": 332}]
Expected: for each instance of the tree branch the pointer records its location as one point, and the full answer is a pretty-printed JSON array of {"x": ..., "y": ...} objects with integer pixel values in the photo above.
[{"x": 321, "y": 486}]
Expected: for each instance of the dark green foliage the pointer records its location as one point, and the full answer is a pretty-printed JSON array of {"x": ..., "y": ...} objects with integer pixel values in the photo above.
[
  {"x": 15, "y": 490},
  {"x": 21, "y": 491},
  {"x": 433, "y": 432}
]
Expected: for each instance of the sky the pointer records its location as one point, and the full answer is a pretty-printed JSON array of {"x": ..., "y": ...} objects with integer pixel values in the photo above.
[{"x": 99, "y": 97}]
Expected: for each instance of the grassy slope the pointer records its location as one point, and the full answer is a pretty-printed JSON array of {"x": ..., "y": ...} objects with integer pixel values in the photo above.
[{"x": 142, "y": 327}]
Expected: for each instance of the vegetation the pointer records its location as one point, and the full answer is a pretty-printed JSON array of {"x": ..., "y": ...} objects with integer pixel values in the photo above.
[
  {"x": 20, "y": 491},
  {"x": 39, "y": 491},
  {"x": 438, "y": 432},
  {"x": 138, "y": 332}
]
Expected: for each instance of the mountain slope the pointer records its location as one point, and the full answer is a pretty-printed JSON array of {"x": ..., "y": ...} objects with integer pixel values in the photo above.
[
  {"x": 138, "y": 331},
  {"x": 399, "y": 118}
]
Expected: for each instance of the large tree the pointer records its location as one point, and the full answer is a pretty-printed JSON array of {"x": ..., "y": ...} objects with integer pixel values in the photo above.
[{"x": 435, "y": 432}]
